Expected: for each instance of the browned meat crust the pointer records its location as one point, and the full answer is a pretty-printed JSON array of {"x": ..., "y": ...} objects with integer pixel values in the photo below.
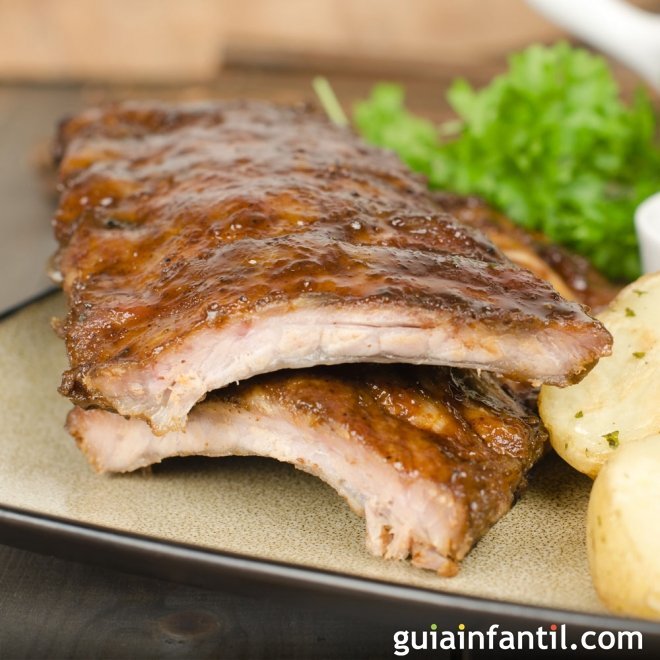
[
  {"x": 281, "y": 241},
  {"x": 432, "y": 457},
  {"x": 571, "y": 275}
]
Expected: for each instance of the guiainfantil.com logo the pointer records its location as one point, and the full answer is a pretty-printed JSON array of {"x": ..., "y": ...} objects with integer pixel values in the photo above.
[{"x": 552, "y": 637}]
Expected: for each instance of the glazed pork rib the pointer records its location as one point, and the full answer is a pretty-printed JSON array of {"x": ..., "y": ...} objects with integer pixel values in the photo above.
[
  {"x": 570, "y": 274},
  {"x": 432, "y": 457},
  {"x": 202, "y": 244}
]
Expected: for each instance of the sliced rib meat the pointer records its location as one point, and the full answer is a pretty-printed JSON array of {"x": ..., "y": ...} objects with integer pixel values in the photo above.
[
  {"x": 432, "y": 457},
  {"x": 203, "y": 244}
]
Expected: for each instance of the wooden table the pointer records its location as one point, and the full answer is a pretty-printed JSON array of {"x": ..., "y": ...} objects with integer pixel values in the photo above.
[{"x": 51, "y": 608}]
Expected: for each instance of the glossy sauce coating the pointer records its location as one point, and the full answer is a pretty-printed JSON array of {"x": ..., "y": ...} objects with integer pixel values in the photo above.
[
  {"x": 572, "y": 275},
  {"x": 177, "y": 218}
]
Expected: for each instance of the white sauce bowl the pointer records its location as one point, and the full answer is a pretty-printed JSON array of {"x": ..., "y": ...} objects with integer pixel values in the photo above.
[{"x": 647, "y": 224}]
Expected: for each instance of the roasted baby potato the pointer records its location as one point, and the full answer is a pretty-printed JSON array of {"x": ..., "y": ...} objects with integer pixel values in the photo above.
[
  {"x": 619, "y": 401},
  {"x": 623, "y": 537}
]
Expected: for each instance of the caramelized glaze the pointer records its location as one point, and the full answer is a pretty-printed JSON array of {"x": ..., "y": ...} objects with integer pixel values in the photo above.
[
  {"x": 572, "y": 275},
  {"x": 178, "y": 218}
]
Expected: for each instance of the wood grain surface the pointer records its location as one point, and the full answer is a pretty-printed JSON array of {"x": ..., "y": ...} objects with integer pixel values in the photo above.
[
  {"x": 172, "y": 40},
  {"x": 51, "y": 608},
  {"x": 169, "y": 40}
]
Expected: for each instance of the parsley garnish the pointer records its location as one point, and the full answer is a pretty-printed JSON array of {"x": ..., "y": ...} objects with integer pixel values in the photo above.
[
  {"x": 550, "y": 142},
  {"x": 612, "y": 438}
]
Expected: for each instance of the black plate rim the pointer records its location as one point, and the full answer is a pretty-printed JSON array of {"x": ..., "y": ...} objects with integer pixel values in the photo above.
[{"x": 198, "y": 565}]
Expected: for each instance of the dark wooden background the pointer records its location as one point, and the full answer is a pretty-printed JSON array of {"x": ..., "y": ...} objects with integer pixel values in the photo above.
[{"x": 52, "y": 608}]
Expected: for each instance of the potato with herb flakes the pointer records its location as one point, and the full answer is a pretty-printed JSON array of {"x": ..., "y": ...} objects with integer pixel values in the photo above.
[
  {"x": 619, "y": 401},
  {"x": 623, "y": 539}
]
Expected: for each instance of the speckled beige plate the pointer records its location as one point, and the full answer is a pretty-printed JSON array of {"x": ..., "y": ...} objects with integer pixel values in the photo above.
[{"x": 258, "y": 507}]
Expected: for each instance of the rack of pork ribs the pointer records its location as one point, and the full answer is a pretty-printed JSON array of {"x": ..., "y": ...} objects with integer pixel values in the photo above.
[{"x": 246, "y": 278}]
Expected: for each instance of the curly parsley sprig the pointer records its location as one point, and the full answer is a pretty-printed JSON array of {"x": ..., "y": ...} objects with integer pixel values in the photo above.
[{"x": 550, "y": 143}]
